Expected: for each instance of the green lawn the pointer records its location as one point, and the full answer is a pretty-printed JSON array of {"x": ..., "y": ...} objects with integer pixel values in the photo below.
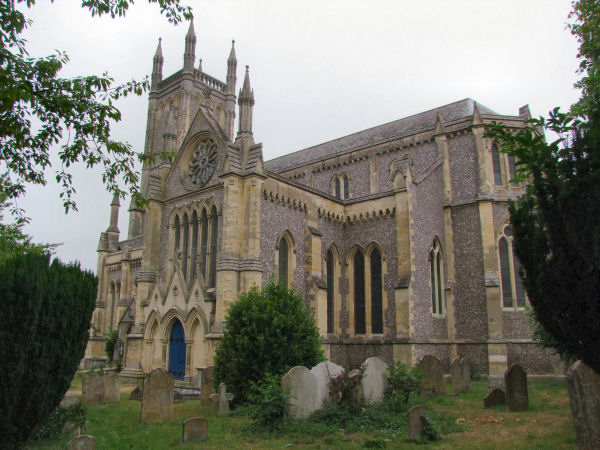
[{"x": 547, "y": 424}]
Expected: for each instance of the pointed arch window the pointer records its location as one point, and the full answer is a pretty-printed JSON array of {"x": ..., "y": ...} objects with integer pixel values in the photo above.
[
  {"x": 512, "y": 170},
  {"x": 204, "y": 242},
  {"x": 214, "y": 239},
  {"x": 496, "y": 165},
  {"x": 376, "y": 293},
  {"x": 359, "y": 293},
  {"x": 338, "y": 193},
  {"x": 194, "y": 255},
  {"x": 285, "y": 259},
  {"x": 511, "y": 285},
  {"x": 184, "y": 250},
  {"x": 177, "y": 238},
  {"x": 330, "y": 291},
  {"x": 346, "y": 187},
  {"x": 437, "y": 279}
]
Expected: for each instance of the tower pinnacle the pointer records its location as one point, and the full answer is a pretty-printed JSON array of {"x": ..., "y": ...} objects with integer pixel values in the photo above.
[
  {"x": 189, "y": 56},
  {"x": 157, "y": 64},
  {"x": 246, "y": 103}
]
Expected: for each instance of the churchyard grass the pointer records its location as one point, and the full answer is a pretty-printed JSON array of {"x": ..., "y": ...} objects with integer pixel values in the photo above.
[{"x": 547, "y": 424}]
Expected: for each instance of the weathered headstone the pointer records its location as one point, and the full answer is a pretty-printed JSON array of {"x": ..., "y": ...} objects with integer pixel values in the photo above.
[
  {"x": 92, "y": 388},
  {"x": 515, "y": 381},
  {"x": 325, "y": 372},
  {"x": 82, "y": 442},
  {"x": 460, "y": 375},
  {"x": 415, "y": 421},
  {"x": 355, "y": 395},
  {"x": 493, "y": 398},
  {"x": 136, "y": 394},
  {"x": 434, "y": 377},
  {"x": 206, "y": 386},
  {"x": 110, "y": 388},
  {"x": 195, "y": 430},
  {"x": 222, "y": 399},
  {"x": 157, "y": 396},
  {"x": 374, "y": 379},
  {"x": 302, "y": 385},
  {"x": 584, "y": 397}
]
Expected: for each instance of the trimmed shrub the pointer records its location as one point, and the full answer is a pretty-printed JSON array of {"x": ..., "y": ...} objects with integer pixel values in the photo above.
[
  {"x": 46, "y": 310},
  {"x": 266, "y": 331},
  {"x": 401, "y": 383}
]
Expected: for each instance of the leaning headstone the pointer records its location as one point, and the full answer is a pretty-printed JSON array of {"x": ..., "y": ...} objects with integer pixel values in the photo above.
[
  {"x": 584, "y": 397},
  {"x": 92, "y": 388},
  {"x": 195, "y": 430},
  {"x": 302, "y": 385},
  {"x": 325, "y": 372},
  {"x": 157, "y": 396},
  {"x": 495, "y": 397},
  {"x": 374, "y": 379},
  {"x": 434, "y": 377},
  {"x": 355, "y": 395},
  {"x": 460, "y": 375},
  {"x": 206, "y": 386},
  {"x": 415, "y": 421},
  {"x": 110, "y": 385},
  {"x": 466, "y": 372},
  {"x": 136, "y": 394},
  {"x": 515, "y": 381},
  {"x": 82, "y": 442},
  {"x": 222, "y": 399}
]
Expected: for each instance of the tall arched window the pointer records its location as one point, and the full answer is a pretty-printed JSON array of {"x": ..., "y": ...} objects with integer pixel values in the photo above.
[
  {"x": 512, "y": 169},
  {"x": 214, "y": 239},
  {"x": 112, "y": 307},
  {"x": 337, "y": 188},
  {"x": 511, "y": 284},
  {"x": 496, "y": 164},
  {"x": 346, "y": 187},
  {"x": 283, "y": 261},
  {"x": 359, "y": 293},
  {"x": 184, "y": 250},
  {"x": 177, "y": 237},
  {"x": 330, "y": 291},
  {"x": 376, "y": 291},
  {"x": 194, "y": 255},
  {"x": 204, "y": 243},
  {"x": 437, "y": 279}
]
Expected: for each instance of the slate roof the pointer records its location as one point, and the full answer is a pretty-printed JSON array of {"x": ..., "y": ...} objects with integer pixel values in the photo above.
[{"x": 386, "y": 132}]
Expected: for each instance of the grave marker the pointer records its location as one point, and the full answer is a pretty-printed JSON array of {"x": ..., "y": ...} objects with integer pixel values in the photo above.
[
  {"x": 374, "y": 379},
  {"x": 82, "y": 442},
  {"x": 302, "y": 385},
  {"x": 195, "y": 430},
  {"x": 222, "y": 399},
  {"x": 515, "y": 381},
  {"x": 415, "y": 423},
  {"x": 495, "y": 397},
  {"x": 157, "y": 396},
  {"x": 324, "y": 372},
  {"x": 584, "y": 397},
  {"x": 434, "y": 377}
]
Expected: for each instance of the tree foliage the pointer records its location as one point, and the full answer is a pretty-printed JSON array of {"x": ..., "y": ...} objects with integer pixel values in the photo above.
[
  {"x": 40, "y": 111},
  {"x": 46, "y": 308},
  {"x": 267, "y": 331},
  {"x": 555, "y": 224}
]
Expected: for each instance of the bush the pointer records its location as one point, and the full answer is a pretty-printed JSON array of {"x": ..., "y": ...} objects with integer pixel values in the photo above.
[
  {"x": 46, "y": 310},
  {"x": 401, "y": 383},
  {"x": 54, "y": 423},
  {"x": 267, "y": 331},
  {"x": 109, "y": 345},
  {"x": 267, "y": 401}
]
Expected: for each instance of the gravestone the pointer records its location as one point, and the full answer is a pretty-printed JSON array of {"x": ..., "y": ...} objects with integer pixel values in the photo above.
[
  {"x": 460, "y": 375},
  {"x": 157, "y": 396},
  {"x": 195, "y": 430},
  {"x": 222, "y": 399},
  {"x": 584, "y": 397},
  {"x": 82, "y": 442},
  {"x": 92, "y": 388},
  {"x": 136, "y": 394},
  {"x": 495, "y": 397},
  {"x": 206, "y": 386},
  {"x": 110, "y": 385},
  {"x": 515, "y": 381},
  {"x": 325, "y": 372},
  {"x": 355, "y": 395},
  {"x": 302, "y": 385},
  {"x": 415, "y": 421},
  {"x": 434, "y": 377},
  {"x": 374, "y": 379}
]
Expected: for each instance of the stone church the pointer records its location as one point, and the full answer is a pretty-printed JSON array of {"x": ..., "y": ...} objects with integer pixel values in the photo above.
[{"x": 396, "y": 236}]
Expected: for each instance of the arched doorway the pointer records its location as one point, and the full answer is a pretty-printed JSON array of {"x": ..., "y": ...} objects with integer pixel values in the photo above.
[{"x": 177, "y": 351}]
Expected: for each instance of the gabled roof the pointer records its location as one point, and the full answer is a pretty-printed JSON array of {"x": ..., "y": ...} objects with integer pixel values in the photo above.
[{"x": 389, "y": 131}]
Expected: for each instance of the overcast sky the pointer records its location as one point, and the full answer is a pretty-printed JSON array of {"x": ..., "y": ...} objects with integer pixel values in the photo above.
[{"x": 319, "y": 69}]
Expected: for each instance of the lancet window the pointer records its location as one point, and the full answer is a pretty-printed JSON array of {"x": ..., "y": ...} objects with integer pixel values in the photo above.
[
  {"x": 437, "y": 278},
  {"x": 368, "y": 291},
  {"x": 511, "y": 285}
]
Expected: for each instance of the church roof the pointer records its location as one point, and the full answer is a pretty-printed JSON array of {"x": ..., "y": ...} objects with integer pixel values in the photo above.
[{"x": 382, "y": 133}]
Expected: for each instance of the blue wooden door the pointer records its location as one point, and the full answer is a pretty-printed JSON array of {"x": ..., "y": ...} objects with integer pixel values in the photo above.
[{"x": 177, "y": 351}]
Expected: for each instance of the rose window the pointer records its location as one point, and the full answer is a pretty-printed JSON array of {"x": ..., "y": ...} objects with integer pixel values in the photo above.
[{"x": 203, "y": 163}]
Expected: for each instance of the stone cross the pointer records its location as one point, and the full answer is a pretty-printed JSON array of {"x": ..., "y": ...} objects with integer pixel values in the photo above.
[{"x": 222, "y": 399}]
